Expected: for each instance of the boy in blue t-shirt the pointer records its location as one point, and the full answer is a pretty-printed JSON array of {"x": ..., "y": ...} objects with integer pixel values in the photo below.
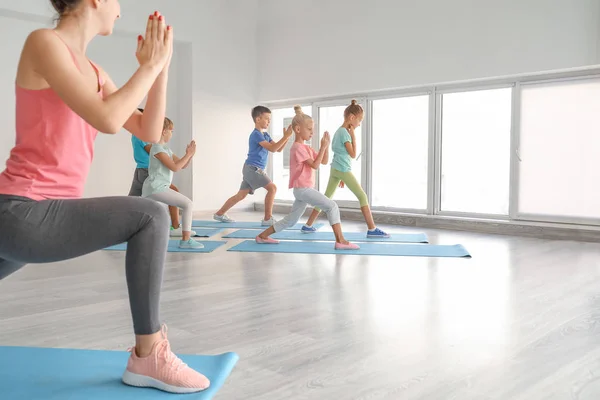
[
  {"x": 253, "y": 172},
  {"x": 141, "y": 155}
]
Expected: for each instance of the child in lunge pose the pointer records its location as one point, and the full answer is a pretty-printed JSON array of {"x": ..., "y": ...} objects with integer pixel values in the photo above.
[
  {"x": 253, "y": 173},
  {"x": 344, "y": 150},
  {"x": 304, "y": 160},
  {"x": 141, "y": 151},
  {"x": 160, "y": 175}
]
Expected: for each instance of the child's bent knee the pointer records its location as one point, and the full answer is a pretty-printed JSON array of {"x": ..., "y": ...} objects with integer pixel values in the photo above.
[{"x": 362, "y": 199}]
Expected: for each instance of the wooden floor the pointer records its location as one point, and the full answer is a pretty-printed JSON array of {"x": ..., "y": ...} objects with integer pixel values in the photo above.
[{"x": 518, "y": 321}]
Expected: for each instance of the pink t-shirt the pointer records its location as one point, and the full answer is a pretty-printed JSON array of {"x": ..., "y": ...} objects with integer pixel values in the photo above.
[
  {"x": 301, "y": 175},
  {"x": 54, "y": 148}
]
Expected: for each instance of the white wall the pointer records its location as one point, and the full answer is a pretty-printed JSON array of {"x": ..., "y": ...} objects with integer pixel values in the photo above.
[
  {"x": 225, "y": 90},
  {"x": 331, "y": 47}
]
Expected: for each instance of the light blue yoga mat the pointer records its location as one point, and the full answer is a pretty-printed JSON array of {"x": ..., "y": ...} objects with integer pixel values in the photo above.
[
  {"x": 330, "y": 237},
  {"x": 366, "y": 249},
  {"x": 28, "y": 373},
  {"x": 209, "y": 246},
  {"x": 207, "y": 232},
  {"x": 241, "y": 225}
]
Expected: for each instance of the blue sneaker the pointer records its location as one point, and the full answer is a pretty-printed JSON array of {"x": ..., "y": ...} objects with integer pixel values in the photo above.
[
  {"x": 190, "y": 244},
  {"x": 377, "y": 233},
  {"x": 308, "y": 229}
]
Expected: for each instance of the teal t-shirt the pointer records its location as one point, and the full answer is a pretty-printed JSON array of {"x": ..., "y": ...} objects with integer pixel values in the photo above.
[
  {"x": 139, "y": 153},
  {"x": 159, "y": 176},
  {"x": 341, "y": 159}
]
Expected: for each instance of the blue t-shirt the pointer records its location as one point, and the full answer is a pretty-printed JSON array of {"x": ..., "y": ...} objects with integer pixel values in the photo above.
[
  {"x": 140, "y": 156},
  {"x": 258, "y": 155}
]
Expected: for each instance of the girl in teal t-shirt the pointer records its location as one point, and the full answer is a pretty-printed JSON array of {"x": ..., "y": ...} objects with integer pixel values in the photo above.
[
  {"x": 160, "y": 175},
  {"x": 343, "y": 146}
]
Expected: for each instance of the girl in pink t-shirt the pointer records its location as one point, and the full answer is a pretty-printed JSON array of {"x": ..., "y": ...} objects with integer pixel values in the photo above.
[{"x": 304, "y": 160}]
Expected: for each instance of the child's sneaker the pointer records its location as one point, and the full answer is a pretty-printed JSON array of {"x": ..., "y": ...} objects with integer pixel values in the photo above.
[
  {"x": 268, "y": 222},
  {"x": 348, "y": 246},
  {"x": 163, "y": 370},
  {"x": 222, "y": 218},
  {"x": 377, "y": 233},
  {"x": 179, "y": 232},
  {"x": 268, "y": 240},
  {"x": 190, "y": 244},
  {"x": 308, "y": 229}
]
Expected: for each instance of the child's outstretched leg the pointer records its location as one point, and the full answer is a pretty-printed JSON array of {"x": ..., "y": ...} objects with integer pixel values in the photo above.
[
  {"x": 352, "y": 184},
  {"x": 332, "y": 210},
  {"x": 221, "y": 215},
  {"x": 176, "y": 199},
  {"x": 290, "y": 220},
  {"x": 269, "y": 200},
  {"x": 332, "y": 185}
]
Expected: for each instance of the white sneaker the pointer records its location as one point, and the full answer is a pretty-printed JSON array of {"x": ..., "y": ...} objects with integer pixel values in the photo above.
[
  {"x": 222, "y": 218},
  {"x": 179, "y": 232},
  {"x": 269, "y": 222}
]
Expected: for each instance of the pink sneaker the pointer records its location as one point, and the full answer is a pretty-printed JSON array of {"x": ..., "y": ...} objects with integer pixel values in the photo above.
[
  {"x": 268, "y": 240},
  {"x": 163, "y": 370},
  {"x": 349, "y": 246}
]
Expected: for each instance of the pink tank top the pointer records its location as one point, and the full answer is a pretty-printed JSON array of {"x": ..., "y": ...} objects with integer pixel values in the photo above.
[{"x": 54, "y": 147}]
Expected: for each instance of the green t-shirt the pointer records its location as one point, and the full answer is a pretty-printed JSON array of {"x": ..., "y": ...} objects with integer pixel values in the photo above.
[
  {"x": 341, "y": 159},
  {"x": 159, "y": 176}
]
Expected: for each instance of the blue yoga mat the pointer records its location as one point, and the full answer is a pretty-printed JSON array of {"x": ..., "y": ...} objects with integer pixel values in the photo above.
[
  {"x": 366, "y": 249},
  {"x": 68, "y": 374},
  {"x": 209, "y": 246},
  {"x": 330, "y": 237},
  {"x": 206, "y": 232},
  {"x": 241, "y": 225}
]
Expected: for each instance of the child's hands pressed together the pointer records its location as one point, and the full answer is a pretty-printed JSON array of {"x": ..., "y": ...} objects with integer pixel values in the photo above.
[
  {"x": 287, "y": 132},
  {"x": 351, "y": 132},
  {"x": 191, "y": 148},
  {"x": 325, "y": 140}
]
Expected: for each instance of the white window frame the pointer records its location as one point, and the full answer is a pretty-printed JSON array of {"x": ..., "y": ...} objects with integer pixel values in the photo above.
[{"x": 434, "y": 159}]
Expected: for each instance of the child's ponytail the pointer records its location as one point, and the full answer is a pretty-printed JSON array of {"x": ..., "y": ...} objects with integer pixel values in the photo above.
[{"x": 353, "y": 109}]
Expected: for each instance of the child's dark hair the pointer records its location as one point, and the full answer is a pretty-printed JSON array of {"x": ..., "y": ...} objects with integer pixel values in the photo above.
[
  {"x": 354, "y": 109},
  {"x": 63, "y": 7},
  {"x": 258, "y": 111}
]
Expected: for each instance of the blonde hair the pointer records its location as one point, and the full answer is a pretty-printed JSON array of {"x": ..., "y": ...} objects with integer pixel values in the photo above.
[
  {"x": 300, "y": 117},
  {"x": 353, "y": 109},
  {"x": 167, "y": 124}
]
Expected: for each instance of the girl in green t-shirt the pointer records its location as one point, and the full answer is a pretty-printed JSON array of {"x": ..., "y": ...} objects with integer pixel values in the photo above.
[{"x": 343, "y": 146}]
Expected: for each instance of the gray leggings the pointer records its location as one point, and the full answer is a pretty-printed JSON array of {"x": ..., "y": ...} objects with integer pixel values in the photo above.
[{"x": 56, "y": 230}]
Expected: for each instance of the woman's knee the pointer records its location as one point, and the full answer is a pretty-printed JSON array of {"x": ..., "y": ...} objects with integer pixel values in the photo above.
[{"x": 157, "y": 212}]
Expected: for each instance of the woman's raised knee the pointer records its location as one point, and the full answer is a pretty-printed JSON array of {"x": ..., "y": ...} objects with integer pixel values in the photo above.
[{"x": 157, "y": 212}]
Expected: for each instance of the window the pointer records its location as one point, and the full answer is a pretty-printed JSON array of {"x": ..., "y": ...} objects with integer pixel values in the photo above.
[
  {"x": 559, "y": 168},
  {"x": 476, "y": 128},
  {"x": 400, "y": 152},
  {"x": 330, "y": 119},
  {"x": 280, "y": 119}
]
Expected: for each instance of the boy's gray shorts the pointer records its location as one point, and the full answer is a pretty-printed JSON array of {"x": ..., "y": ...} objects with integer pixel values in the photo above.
[{"x": 253, "y": 178}]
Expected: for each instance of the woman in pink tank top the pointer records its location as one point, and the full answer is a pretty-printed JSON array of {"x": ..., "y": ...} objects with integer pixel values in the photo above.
[{"x": 62, "y": 101}]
